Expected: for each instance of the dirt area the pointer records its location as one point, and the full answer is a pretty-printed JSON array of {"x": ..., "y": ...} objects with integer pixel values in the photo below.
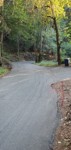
[{"x": 63, "y": 134}]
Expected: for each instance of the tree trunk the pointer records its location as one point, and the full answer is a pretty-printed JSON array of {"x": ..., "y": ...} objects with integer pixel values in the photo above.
[
  {"x": 2, "y": 34},
  {"x": 57, "y": 32},
  {"x": 18, "y": 48},
  {"x": 58, "y": 41},
  {"x": 41, "y": 42},
  {"x": 0, "y": 55},
  {"x": 1, "y": 48},
  {"x": 1, "y": 44}
]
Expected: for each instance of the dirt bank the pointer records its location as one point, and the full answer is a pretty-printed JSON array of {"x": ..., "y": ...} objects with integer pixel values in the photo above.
[{"x": 63, "y": 134}]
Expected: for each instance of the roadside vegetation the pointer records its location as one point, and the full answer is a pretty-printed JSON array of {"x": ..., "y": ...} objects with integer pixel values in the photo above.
[
  {"x": 48, "y": 63},
  {"x": 3, "y": 71}
]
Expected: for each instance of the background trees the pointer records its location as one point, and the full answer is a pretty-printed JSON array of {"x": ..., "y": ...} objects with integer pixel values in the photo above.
[
  {"x": 55, "y": 11},
  {"x": 38, "y": 24}
]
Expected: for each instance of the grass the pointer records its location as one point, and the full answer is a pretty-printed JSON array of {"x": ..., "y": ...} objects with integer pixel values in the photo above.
[
  {"x": 48, "y": 63},
  {"x": 3, "y": 71}
]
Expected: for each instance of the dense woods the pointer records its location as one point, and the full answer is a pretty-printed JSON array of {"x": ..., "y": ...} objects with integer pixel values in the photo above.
[{"x": 36, "y": 25}]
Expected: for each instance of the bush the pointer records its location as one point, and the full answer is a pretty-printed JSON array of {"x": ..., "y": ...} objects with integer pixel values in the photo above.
[{"x": 3, "y": 71}]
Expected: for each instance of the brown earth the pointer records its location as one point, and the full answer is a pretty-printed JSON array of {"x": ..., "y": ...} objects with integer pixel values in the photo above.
[{"x": 63, "y": 134}]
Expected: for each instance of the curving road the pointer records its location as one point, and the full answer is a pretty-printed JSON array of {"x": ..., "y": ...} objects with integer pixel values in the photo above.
[{"x": 28, "y": 107}]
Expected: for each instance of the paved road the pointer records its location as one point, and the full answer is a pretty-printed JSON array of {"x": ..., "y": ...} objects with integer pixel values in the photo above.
[{"x": 28, "y": 107}]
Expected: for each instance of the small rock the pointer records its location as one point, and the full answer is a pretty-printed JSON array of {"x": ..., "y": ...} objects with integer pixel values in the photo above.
[{"x": 59, "y": 142}]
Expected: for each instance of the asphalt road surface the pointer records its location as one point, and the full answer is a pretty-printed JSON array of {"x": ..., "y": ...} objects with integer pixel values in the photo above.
[{"x": 28, "y": 107}]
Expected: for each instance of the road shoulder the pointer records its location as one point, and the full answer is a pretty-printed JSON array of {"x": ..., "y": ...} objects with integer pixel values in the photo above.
[{"x": 63, "y": 134}]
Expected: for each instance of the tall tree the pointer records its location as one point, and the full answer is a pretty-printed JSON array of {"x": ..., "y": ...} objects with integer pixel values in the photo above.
[
  {"x": 53, "y": 10},
  {"x": 1, "y": 26}
]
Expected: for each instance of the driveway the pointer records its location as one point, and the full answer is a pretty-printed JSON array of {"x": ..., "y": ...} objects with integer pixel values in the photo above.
[{"x": 28, "y": 107}]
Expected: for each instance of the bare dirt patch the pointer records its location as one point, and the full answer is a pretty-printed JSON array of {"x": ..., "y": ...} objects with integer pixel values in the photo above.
[{"x": 63, "y": 134}]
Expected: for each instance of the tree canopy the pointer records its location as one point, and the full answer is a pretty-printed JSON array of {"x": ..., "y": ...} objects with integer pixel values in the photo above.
[{"x": 26, "y": 21}]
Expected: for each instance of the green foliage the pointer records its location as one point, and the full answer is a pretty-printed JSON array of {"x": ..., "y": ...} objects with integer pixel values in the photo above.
[
  {"x": 49, "y": 40},
  {"x": 48, "y": 63},
  {"x": 66, "y": 46},
  {"x": 3, "y": 71},
  {"x": 63, "y": 55}
]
